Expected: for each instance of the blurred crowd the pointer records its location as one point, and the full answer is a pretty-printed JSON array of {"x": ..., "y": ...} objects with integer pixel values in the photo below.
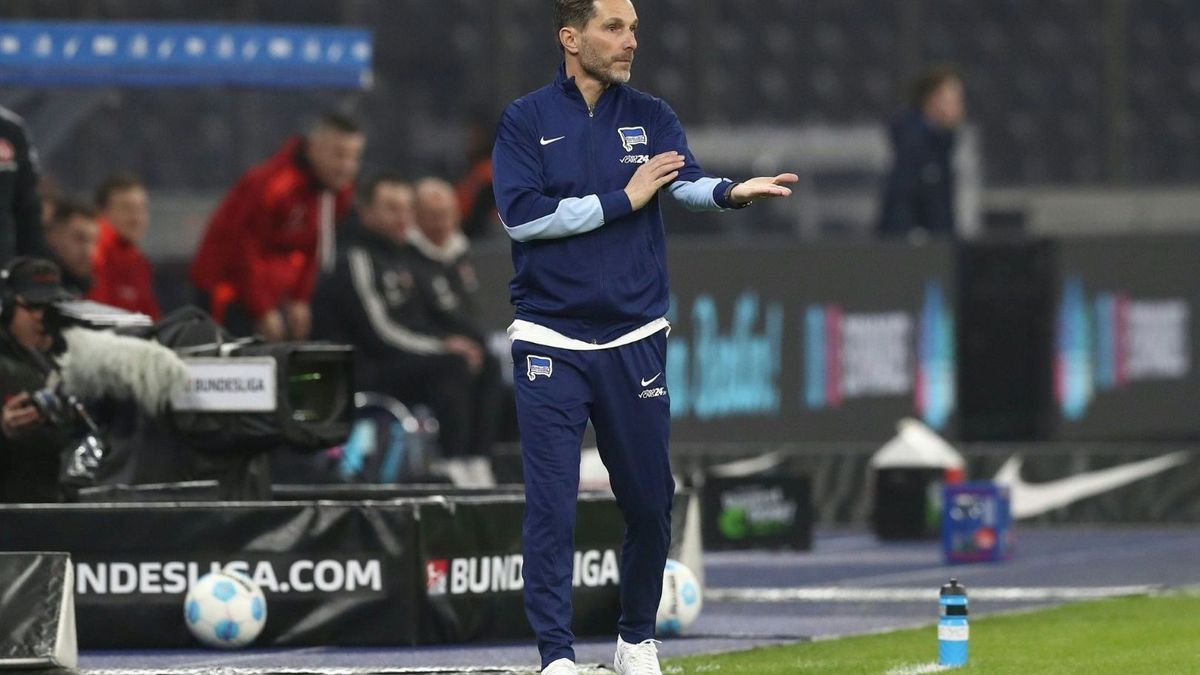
[{"x": 301, "y": 248}]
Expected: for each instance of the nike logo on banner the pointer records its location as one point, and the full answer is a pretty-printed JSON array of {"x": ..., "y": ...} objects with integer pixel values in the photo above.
[
  {"x": 1032, "y": 499},
  {"x": 546, "y": 141},
  {"x": 646, "y": 383}
]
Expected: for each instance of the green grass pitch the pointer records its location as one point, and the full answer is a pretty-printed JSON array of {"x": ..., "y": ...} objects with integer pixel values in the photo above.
[{"x": 1126, "y": 636}]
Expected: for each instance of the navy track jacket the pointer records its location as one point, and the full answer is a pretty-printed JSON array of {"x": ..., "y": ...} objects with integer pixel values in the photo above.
[
  {"x": 586, "y": 264},
  {"x": 919, "y": 193}
]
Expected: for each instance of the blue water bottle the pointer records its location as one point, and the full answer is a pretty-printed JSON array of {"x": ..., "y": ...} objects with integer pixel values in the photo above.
[{"x": 952, "y": 625}]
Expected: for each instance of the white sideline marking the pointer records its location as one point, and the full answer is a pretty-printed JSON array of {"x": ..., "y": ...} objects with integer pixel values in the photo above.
[
  {"x": 917, "y": 669},
  {"x": 849, "y": 594},
  {"x": 237, "y": 670}
]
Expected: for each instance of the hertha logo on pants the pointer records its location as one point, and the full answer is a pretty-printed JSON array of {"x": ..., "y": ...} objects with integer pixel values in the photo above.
[{"x": 623, "y": 390}]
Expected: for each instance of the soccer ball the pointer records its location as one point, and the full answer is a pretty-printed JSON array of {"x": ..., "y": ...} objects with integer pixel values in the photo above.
[
  {"x": 225, "y": 609},
  {"x": 680, "y": 602}
]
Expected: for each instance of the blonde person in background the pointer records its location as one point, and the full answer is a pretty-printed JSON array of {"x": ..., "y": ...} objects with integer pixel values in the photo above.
[{"x": 447, "y": 277}]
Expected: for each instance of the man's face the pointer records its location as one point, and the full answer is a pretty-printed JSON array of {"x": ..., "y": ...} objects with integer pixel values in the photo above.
[
  {"x": 607, "y": 42},
  {"x": 28, "y": 326},
  {"x": 128, "y": 211},
  {"x": 74, "y": 243},
  {"x": 437, "y": 213},
  {"x": 946, "y": 106},
  {"x": 390, "y": 212},
  {"x": 335, "y": 156}
]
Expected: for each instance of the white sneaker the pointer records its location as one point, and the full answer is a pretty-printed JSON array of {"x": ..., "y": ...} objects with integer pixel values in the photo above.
[
  {"x": 561, "y": 667},
  {"x": 639, "y": 659}
]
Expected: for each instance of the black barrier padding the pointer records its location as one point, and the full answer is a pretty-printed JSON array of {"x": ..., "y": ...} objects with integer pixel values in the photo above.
[
  {"x": 31, "y": 599},
  {"x": 333, "y": 574},
  {"x": 471, "y": 575}
]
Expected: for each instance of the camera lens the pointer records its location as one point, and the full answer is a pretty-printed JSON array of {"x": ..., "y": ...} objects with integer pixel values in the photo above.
[{"x": 48, "y": 404}]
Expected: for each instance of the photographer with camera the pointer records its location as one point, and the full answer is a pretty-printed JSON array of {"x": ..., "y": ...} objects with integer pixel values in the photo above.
[{"x": 29, "y": 447}]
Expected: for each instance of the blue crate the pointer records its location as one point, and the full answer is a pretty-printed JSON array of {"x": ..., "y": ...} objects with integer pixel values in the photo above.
[{"x": 976, "y": 523}]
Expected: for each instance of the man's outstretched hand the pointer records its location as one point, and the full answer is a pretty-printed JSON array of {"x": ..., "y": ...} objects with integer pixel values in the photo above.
[{"x": 763, "y": 186}]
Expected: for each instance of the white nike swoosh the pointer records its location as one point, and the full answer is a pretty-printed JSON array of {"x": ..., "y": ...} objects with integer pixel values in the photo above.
[
  {"x": 646, "y": 383},
  {"x": 544, "y": 140},
  {"x": 1032, "y": 499}
]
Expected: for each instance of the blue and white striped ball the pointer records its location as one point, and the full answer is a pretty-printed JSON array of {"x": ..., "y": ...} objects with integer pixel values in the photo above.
[{"x": 225, "y": 609}]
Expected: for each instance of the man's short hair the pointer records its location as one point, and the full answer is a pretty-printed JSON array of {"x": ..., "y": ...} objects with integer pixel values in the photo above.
[
  {"x": 67, "y": 208},
  {"x": 929, "y": 81},
  {"x": 338, "y": 121},
  {"x": 366, "y": 193},
  {"x": 116, "y": 182},
  {"x": 573, "y": 13}
]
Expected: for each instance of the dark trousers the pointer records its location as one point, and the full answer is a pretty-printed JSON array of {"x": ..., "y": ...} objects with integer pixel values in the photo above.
[
  {"x": 237, "y": 321},
  {"x": 623, "y": 391}
]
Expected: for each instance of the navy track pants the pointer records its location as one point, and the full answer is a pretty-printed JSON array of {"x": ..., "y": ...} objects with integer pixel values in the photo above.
[{"x": 623, "y": 391}]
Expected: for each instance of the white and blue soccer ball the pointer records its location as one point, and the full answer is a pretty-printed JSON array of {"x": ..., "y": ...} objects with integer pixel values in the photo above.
[
  {"x": 681, "y": 600},
  {"x": 225, "y": 609}
]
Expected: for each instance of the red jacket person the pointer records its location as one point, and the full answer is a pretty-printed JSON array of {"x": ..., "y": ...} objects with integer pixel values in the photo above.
[
  {"x": 121, "y": 274},
  {"x": 265, "y": 243}
]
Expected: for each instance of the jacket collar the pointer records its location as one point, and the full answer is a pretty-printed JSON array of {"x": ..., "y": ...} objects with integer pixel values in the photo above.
[
  {"x": 567, "y": 84},
  {"x": 366, "y": 237},
  {"x": 448, "y": 253},
  {"x": 569, "y": 87}
]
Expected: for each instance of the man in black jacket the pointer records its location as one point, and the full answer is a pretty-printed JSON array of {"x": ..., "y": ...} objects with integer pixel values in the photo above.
[
  {"x": 919, "y": 193},
  {"x": 20, "y": 207},
  {"x": 29, "y": 446},
  {"x": 374, "y": 302}
]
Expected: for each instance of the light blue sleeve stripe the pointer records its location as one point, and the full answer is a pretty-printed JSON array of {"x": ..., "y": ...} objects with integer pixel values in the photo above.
[
  {"x": 574, "y": 215},
  {"x": 695, "y": 195}
]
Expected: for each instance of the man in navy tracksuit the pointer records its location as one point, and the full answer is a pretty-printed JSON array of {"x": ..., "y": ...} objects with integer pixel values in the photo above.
[{"x": 578, "y": 167}]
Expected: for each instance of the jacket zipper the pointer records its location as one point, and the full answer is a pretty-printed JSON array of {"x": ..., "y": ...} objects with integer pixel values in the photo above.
[{"x": 594, "y": 180}]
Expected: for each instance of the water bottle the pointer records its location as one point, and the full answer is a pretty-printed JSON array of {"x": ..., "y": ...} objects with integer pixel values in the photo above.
[{"x": 952, "y": 625}]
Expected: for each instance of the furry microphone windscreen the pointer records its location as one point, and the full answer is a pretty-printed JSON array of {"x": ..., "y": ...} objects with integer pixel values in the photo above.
[{"x": 99, "y": 364}]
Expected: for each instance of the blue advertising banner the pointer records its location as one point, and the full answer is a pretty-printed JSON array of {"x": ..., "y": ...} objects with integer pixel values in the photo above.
[
  {"x": 1125, "y": 331},
  {"x": 792, "y": 341},
  {"x": 821, "y": 342},
  {"x": 177, "y": 54}
]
